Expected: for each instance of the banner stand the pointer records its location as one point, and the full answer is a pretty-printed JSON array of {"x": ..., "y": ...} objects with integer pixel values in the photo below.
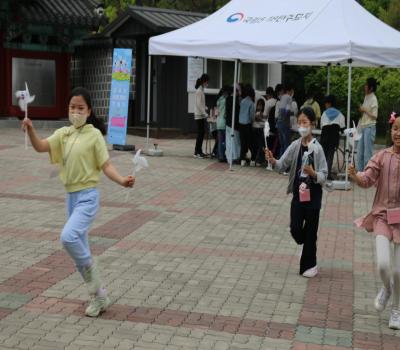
[{"x": 119, "y": 100}]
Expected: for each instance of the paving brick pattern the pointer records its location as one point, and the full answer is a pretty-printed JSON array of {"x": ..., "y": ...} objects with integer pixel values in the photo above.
[{"x": 194, "y": 257}]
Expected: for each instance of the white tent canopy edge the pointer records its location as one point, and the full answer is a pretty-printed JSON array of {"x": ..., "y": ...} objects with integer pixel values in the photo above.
[{"x": 310, "y": 32}]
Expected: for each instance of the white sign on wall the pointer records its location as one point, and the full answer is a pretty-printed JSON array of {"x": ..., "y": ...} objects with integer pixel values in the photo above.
[{"x": 195, "y": 70}]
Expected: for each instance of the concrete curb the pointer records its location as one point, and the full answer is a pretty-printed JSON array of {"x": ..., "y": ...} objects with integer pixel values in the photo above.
[{"x": 39, "y": 124}]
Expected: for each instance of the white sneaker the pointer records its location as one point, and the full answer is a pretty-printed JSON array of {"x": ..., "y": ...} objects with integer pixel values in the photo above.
[
  {"x": 382, "y": 299},
  {"x": 252, "y": 163},
  {"x": 394, "y": 322},
  {"x": 310, "y": 273},
  {"x": 285, "y": 173},
  {"x": 242, "y": 163}
]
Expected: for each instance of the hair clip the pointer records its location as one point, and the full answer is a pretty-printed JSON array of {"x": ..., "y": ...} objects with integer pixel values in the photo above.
[{"x": 393, "y": 117}]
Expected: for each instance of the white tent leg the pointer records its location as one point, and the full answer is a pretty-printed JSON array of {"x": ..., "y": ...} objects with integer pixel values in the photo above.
[
  {"x": 148, "y": 103},
  {"x": 345, "y": 185},
  {"x": 348, "y": 121},
  {"x": 233, "y": 112},
  {"x": 328, "y": 86}
]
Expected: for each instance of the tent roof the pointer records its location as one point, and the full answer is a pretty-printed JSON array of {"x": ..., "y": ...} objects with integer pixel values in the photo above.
[{"x": 287, "y": 31}]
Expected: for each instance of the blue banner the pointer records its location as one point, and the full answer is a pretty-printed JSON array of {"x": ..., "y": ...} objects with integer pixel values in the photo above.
[{"x": 119, "y": 97}]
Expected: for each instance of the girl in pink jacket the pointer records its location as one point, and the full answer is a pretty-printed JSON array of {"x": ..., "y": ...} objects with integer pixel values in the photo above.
[{"x": 383, "y": 171}]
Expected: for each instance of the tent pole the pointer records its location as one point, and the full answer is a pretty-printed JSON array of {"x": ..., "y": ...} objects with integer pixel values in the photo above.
[
  {"x": 233, "y": 112},
  {"x": 148, "y": 103},
  {"x": 239, "y": 71},
  {"x": 348, "y": 122},
  {"x": 328, "y": 86}
]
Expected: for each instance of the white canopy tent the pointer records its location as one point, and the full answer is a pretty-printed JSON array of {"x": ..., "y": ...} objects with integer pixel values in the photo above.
[{"x": 306, "y": 32}]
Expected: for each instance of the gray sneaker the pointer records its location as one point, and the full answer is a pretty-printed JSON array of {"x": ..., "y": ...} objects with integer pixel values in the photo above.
[
  {"x": 394, "y": 322},
  {"x": 97, "y": 305},
  {"x": 382, "y": 299}
]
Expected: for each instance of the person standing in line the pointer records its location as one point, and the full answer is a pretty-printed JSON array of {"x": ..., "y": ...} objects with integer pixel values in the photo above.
[
  {"x": 270, "y": 100},
  {"x": 383, "y": 172},
  {"x": 246, "y": 117},
  {"x": 200, "y": 114},
  {"x": 232, "y": 144},
  {"x": 367, "y": 124},
  {"x": 308, "y": 172},
  {"x": 311, "y": 102},
  {"x": 221, "y": 121},
  {"x": 81, "y": 153},
  {"x": 332, "y": 123},
  {"x": 258, "y": 139},
  {"x": 283, "y": 122}
]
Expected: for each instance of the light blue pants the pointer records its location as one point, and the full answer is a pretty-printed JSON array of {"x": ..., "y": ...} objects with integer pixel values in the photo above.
[
  {"x": 365, "y": 147},
  {"x": 82, "y": 207},
  {"x": 232, "y": 144}
]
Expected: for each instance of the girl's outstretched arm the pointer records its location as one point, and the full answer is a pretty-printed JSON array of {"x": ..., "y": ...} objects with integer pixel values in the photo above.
[
  {"x": 113, "y": 175},
  {"x": 40, "y": 145},
  {"x": 371, "y": 173},
  {"x": 353, "y": 175}
]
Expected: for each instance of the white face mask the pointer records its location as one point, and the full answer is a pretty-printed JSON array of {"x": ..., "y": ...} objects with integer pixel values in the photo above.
[
  {"x": 304, "y": 131},
  {"x": 77, "y": 120}
]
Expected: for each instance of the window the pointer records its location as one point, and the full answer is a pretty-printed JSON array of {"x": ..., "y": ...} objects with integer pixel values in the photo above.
[
  {"x": 40, "y": 76},
  {"x": 214, "y": 72},
  {"x": 228, "y": 68},
  {"x": 247, "y": 74},
  {"x": 222, "y": 73},
  {"x": 261, "y": 77}
]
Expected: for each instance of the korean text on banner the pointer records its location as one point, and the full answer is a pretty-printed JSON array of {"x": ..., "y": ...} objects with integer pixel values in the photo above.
[{"x": 119, "y": 98}]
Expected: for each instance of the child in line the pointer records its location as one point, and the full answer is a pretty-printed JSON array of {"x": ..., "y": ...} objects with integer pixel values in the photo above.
[
  {"x": 81, "y": 153},
  {"x": 332, "y": 123},
  {"x": 383, "y": 171},
  {"x": 308, "y": 172},
  {"x": 258, "y": 143}
]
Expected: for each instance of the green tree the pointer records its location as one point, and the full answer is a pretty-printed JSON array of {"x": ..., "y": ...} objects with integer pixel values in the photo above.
[
  {"x": 392, "y": 15},
  {"x": 376, "y": 7}
]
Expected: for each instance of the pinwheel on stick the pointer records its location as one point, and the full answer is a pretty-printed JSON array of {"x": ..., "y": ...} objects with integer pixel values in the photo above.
[
  {"x": 24, "y": 98},
  {"x": 139, "y": 163}
]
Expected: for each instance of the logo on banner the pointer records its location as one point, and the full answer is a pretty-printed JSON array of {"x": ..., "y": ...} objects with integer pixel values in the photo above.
[
  {"x": 239, "y": 17},
  {"x": 236, "y": 17}
]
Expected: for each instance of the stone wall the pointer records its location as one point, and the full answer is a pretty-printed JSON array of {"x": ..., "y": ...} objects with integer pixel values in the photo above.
[{"x": 91, "y": 68}]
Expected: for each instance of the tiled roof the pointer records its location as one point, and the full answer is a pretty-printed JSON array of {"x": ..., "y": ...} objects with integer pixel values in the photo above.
[
  {"x": 164, "y": 19},
  {"x": 158, "y": 20},
  {"x": 62, "y": 12}
]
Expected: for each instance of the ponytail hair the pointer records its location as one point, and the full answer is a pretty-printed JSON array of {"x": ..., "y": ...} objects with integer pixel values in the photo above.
[
  {"x": 203, "y": 79},
  {"x": 98, "y": 123}
]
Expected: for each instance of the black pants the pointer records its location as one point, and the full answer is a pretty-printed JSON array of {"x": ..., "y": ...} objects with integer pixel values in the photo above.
[
  {"x": 304, "y": 229},
  {"x": 201, "y": 125},
  {"x": 245, "y": 141},
  {"x": 258, "y": 143},
  {"x": 329, "y": 151}
]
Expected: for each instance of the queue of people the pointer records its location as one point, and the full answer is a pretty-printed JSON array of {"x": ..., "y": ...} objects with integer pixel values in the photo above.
[{"x": 246, "y": 143}]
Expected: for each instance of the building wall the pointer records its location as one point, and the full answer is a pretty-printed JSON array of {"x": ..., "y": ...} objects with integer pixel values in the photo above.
[{"x": 91, "y": 68}]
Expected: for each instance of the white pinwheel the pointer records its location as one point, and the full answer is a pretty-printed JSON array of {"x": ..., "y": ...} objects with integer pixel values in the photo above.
[{"x": 24, "y": 99}]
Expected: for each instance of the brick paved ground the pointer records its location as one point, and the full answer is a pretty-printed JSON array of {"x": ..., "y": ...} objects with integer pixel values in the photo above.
[{"x": 198, "y": 258}]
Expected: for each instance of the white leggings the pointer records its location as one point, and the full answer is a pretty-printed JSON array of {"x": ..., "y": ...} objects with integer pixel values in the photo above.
[{"x": 386, "y": 269}]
